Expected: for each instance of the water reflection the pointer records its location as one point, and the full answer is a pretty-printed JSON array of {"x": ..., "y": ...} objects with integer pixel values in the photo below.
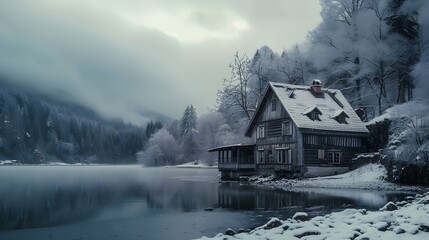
[
  {"x": 247, "y": 197},
  {"x": 45, "y": 196},
  {"x": 37, "y": 196}
]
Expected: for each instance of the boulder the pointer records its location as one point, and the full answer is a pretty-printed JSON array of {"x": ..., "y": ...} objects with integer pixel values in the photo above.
[
  {"x": 273, "y": 223},
  {"x": 390, "y": 206},
  {"x": 301, "y": 216},
  {"x": 230, "y": 232}
]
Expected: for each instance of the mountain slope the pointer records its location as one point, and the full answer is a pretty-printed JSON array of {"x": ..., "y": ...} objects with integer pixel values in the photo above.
[{"x": 35, "y": 129}]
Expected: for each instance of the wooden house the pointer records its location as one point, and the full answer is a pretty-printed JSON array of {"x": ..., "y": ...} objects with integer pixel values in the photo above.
[{"x": 297, "y": 131}]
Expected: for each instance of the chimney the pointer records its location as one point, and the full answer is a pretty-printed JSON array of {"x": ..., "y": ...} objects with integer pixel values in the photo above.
[{"x": 316, "y": 87}]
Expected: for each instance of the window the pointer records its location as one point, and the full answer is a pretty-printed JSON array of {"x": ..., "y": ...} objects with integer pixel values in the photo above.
[
  {"x": 340, "y": 116},
  {"x": 260, "y": 131},
  {"x": 321, "y": 154},
  {"x": 334, "y": 157},
  {"x": 270, "y": 157},
  {"x": 286, "y": 128},
  {"x": 274, "y": 105},
  {"x": 283, "y": 155},
  {"x": 313, "y": 113},
  {"x": 261, "y": 156},
  {"x": 341, "y": 119},
  {"x": 229, "y": 156},
  {"x": 225, "y": 156},
  {"x": 314, "y": 116}
]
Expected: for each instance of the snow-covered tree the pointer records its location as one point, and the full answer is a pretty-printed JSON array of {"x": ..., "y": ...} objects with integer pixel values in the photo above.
[
  {"x": 32, "y": 127},
  {"x": 162, "y": 150},
  {"x": 190, "y": 145},
  {"x": 189, "y": 120},
  {"x": 213, "y": 132}
]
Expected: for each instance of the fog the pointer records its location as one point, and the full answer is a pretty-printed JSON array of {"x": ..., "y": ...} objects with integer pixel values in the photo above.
[{"x": 122, "y": 58}]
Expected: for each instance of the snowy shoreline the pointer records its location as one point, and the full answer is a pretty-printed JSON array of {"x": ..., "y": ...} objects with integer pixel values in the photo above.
[
  {"x": 407, "y": 219},
  {"x": 194, "y": 164},
  {"x": 370, "y": 177}
]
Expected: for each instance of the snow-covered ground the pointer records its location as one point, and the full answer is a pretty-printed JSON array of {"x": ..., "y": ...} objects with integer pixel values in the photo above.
[
  {"x": 195, "y": 164},
  {"x": 9, "y": 162},
  {"x": 404, "y": 220},
  {"x": 371, "y": 176}
]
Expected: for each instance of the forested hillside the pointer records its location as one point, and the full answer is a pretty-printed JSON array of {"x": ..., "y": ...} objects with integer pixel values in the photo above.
[
  {"x": 374, "y": 51},
  {"x": 38, "y": 130}
]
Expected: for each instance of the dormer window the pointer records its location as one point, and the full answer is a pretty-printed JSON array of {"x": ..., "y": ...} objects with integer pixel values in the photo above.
[
  {"x": 314, "y": 116},
  {"x": 313, "y": 113},
  {"x": 340, "y": 116}
]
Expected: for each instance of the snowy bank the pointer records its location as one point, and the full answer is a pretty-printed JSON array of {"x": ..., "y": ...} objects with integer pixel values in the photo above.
[
  {"x": 371, "y": 176},
  {"x": 403, "y": 220},
  {"x": 195, "y": 164}
]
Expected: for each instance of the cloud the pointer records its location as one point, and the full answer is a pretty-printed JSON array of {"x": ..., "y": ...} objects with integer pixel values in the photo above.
[{"x": 122, "y": 58}]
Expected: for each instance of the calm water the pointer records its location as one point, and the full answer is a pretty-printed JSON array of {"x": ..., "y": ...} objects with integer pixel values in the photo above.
[{"x": 131, "y": 202}]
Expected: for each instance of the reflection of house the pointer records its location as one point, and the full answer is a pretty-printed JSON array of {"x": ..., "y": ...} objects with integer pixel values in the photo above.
[
  {"x": 248, "y": 197},
  {"x": 297, "y": 131}
]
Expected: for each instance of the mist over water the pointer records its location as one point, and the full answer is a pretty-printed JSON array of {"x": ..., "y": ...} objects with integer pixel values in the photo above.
[
  {"x": 33, "y": 196},
  {"x": 132, "y": 202}
]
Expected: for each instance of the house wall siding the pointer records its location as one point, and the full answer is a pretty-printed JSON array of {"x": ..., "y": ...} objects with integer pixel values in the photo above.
[
  {"x": 311, "y": 155},
  {"x": 274, "y": 138}
]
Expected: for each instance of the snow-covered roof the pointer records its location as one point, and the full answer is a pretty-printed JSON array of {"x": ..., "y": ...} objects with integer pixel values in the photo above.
[
  {"x": 339, "y": 112},
  {"x": 331, "y": 103},
  {"x": 311, "y": 109},
  {"x": 239, "y": 145}
]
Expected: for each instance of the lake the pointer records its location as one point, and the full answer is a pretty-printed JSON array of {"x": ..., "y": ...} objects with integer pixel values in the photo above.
[{"x": 132, "y": 202}]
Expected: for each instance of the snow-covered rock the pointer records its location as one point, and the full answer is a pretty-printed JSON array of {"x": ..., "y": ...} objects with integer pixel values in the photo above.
[
  {"x": 407, "y": 222},
  {"x": 273, "y": 223},
  {"x": 301, "y": 216},
  {"x": 390, "y": 206},
  {"x": 230, "y": 232}
]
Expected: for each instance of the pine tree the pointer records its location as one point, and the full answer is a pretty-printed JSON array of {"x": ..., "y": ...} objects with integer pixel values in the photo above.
[
  {"x": 189, "y": 120},
  {"x": 190, "y": 146}
]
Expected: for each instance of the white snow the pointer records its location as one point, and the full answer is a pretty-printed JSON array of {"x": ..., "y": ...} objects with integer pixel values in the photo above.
[
  {"x": 195, "y": 164},
  {"x": 305, "y": 102},
  {"x": 69, "y": 164},
  {"x": 411, "y": 108},
  {"x": 371, "y": 176},
  {"x": 409, "y": 221},
  {"x": 9, "y": 162}
]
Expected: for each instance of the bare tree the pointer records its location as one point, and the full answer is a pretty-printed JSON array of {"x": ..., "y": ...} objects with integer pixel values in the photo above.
[
  {"x": 235, "y": 93},
  {"x": 419, "y": 130}
]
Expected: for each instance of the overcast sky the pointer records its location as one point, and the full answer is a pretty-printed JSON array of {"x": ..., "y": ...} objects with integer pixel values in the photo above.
[{"x": 122, "y": 57}]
